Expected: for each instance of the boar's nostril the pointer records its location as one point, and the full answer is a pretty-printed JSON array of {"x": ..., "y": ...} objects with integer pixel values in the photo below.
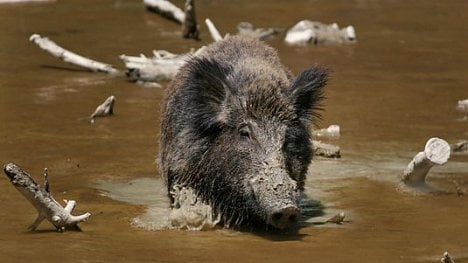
[
  {"x": 292, "y": 218},
  {"x": 285, "y": 217},
  {"x": 277, "y": 216}
]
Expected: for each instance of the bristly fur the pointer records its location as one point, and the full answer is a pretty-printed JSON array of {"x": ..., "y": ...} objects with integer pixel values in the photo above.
[
  {"x": 267, "y": 103},
  {"x": 235, "y": 83},
  {"x": 308, "y": 94},
  {"x": 207, "y": 89}
]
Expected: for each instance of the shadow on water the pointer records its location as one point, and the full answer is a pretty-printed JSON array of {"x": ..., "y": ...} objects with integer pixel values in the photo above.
[
  {"x": 279, "y": 235},
  {"x": 63, "y": 68},
  {"x": 311, "y": 208},
  {"x": 53, "y": 230}
]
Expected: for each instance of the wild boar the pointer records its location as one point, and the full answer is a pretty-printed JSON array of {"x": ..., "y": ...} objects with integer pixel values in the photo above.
[{"x": 235, "y": 128}]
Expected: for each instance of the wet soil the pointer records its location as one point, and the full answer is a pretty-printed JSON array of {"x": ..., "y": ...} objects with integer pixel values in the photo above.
[{"x": 390, "y": 92}]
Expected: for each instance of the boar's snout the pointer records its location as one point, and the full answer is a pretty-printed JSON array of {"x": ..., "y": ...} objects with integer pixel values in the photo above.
[
  {"x": 284, "y": 217},
  {"x": 278, "y": 196}
]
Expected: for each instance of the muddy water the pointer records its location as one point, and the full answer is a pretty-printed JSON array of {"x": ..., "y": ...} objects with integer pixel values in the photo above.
[{"x": 390, "y": 92}]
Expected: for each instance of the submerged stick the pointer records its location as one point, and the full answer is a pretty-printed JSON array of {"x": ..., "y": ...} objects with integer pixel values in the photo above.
[
  {"x": 166, "y": 9},
  {"x": 436, "y": 152},
  {"x": 190, "y": 26},
  {"x": 70, "y": 57},
  {"x": 43, "y": 201},
  {"x": 105, "y": 109}
]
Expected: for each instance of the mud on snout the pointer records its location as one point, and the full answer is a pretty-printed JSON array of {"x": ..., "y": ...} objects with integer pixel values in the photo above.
[{"x": 278, "y": 196}]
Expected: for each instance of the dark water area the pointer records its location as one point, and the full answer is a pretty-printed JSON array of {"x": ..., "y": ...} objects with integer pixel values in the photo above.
[{"x": 390, "y": 92}]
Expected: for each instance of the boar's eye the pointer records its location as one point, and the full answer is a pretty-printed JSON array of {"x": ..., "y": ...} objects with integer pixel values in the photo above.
[{"x": 244, "y": 132}]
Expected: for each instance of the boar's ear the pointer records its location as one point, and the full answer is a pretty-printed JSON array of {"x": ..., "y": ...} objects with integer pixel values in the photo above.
[
  {"x": 208, "y": 88},
  {"x": 306, "y": 93}
]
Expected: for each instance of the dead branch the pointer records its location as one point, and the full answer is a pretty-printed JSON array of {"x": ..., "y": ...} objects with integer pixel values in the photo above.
[
  {"x": 247, "y": 29},
  {"x": 161, "y": 67},
  {"x": 311, "y": 32},
  {"x": 70, "y": 57},
  {"x": 166, "y": 9},
  {"x": 43, "y": 201}
]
